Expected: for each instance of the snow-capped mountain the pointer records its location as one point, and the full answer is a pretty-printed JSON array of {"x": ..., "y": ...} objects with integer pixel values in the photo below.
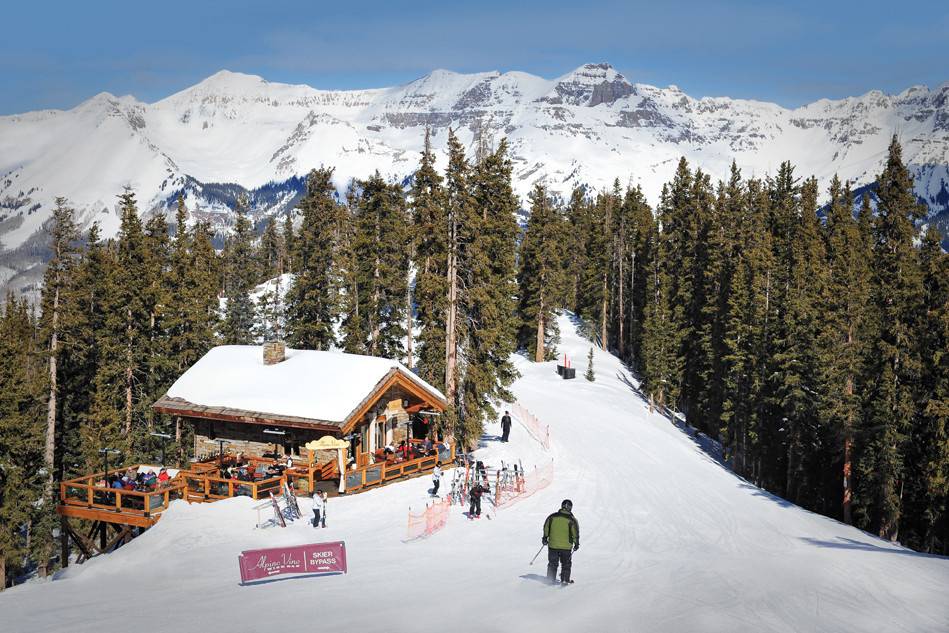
[{"x": 234, "y": 132}]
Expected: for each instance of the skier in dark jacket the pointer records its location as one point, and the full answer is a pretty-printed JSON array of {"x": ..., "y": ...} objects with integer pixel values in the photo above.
[
  {"x": 562, "y": 538},
  {"x": 505, "y": 426},
  {"x": 475, "y": 495}
]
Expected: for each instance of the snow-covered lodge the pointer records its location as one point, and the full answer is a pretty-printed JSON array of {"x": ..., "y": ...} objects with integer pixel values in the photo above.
[{"x": 270, "y": 402}]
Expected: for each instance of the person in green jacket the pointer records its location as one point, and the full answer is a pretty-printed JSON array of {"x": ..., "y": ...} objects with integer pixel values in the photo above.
[{"x": 562, "y": 538}]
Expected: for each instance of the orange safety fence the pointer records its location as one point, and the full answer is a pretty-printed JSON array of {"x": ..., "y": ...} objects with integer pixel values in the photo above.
[
  {"x": 520, "y": 486},
  {"x": 426, "y": 523},
  {"x": 540, "y": 432}
]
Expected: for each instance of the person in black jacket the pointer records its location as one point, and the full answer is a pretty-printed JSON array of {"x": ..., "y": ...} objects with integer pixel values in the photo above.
[
  {"x": 562, "y": 538},
  {"x": 505, "y": 426},
  {"x": 475, "y": 509}
]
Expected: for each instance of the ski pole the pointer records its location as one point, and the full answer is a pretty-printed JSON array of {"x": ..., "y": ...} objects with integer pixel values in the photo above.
[{"x": 537, "y": 554}]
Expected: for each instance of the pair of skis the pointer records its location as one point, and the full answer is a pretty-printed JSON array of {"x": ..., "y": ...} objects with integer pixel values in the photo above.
[{"x": 292, "y": 510}]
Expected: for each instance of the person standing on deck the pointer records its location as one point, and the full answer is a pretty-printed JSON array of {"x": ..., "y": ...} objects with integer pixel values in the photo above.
[
  {"x": 319, "y": 504},
  {"x": 505, "y": 426},
  {"x": 562, "y": 538}
]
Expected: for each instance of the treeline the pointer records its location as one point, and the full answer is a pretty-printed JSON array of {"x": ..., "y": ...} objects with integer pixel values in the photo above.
[
  {"x": 814, "y": 344},
  {"x": 814, "y": 347}
]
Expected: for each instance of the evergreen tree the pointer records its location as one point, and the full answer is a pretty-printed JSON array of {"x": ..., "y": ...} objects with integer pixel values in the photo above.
[
  {"x": 576, "y": 236},
  {"x": 924, "y": 523},
  {"x": 289, "y": 246},
  {"x": 842, "y": 334},
  {"x": 239, "y": 316},
  {"x": 353, "y": 326},
  {"x": 460, "y": 213},
  {"x": 541, "y": 277},
  {"x": 593, "y": 293},
  {"x": 161, "y": 367},
  {"x": 746, "y": 328},
  {"x": 81, "y": 364},
  {"x": 696, "y": 290},
  {"x": 430, "y": 226},
  {"x": 25, "y": 504},
  {"x": 57, "y": 311},
  {"x": 488, "y": 298},
  {"x": 380, "y": 270},
  {"x": 192, "y": 306},
  {"x": 192, "y": 309},
  {"x": 269, "y": 252},
  {"x": 798, "y": 361},
  {"x": 716, "y": 279},
  {"x": 590, "y": 375},
  {"x": 662, "y": 334},
  {"x": 126, "y": 328},
  {"x": 634, "y": 227},
  {"x": 894, "y": 365},
  {"x": 312, "y": 302}
]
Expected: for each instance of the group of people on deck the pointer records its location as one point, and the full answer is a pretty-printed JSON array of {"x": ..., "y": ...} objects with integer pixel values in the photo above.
[
  {"x": 246, "y": 470},
  {"x": 407, "y": 450},
  {"x": 135, "y": 479}
]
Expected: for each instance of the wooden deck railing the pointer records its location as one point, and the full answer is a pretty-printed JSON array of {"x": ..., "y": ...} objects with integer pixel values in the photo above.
[
  {"x": 380, "y": 473},
  {"x": 201, "y": 483},
  {"x": 84, "y": 493},
  {"x": 303, "y": 476},
  {"x": 203, "y": 487}
]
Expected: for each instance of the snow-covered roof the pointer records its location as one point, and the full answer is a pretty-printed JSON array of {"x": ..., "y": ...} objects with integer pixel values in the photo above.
[{"x": 309, "y": 385}]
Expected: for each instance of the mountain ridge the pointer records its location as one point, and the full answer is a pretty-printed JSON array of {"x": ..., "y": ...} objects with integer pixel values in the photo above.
[{"x": 588, "y": 126}]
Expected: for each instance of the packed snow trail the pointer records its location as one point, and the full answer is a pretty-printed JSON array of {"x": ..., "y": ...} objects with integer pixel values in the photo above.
[{"x": 670, "y": 541}]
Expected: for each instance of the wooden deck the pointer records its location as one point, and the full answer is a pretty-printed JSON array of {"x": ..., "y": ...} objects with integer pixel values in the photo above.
[
  {"x": 81, "y": 498},
  {"x": 120, "y": 510}
]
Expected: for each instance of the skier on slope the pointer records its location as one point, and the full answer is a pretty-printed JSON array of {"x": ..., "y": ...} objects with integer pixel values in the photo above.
[
  {"x": 562, "y": 538},
  {"x": 505, "y": 426},
  {"x": 436, "y": 479},
  {"x": 475, "y": 509}
]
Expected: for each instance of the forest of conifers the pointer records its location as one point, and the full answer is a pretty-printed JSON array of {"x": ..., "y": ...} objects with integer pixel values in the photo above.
[{"x": 805, "y": 330}]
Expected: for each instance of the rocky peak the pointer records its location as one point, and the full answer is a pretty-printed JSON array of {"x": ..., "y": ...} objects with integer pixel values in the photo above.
[{"x": 589, "y": 85}]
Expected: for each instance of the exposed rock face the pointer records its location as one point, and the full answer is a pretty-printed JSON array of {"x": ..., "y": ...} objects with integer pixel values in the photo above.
[{"x": 590, "y": 85}]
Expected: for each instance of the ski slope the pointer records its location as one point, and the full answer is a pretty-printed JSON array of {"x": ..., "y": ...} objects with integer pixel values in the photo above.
[{"x": 670, "y": 541}]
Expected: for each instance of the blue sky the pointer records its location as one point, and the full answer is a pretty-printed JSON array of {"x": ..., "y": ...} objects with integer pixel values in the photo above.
[{"x": 56, "y": 54}]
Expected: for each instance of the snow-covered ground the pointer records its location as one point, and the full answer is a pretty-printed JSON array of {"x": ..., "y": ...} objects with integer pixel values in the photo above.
[{"x": 670, "y": 541}]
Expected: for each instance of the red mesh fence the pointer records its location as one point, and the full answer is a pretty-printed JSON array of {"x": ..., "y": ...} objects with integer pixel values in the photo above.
[
  {"x": 540, "y": 432},
  {"x": 426, "y": 523},
  {"x": 518, "y": 486}
]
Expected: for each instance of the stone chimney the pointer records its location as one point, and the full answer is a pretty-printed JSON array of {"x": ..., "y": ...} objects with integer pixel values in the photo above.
[{"x": 274, "y": 352}]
